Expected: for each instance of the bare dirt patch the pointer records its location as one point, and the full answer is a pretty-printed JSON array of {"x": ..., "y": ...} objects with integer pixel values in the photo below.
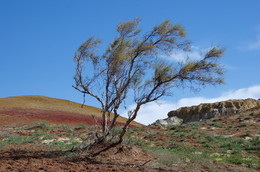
[{"x": 117, "y": 159}]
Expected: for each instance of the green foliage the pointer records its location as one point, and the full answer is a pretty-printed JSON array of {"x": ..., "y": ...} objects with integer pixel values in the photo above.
[
  {"x": 38, "y": 125},
  {"x": 14, "y": 139},
  {"x": 214, "y": 124},
  {"x": 229, "y": 127},
  {"x": 250, "y": 162},
  {"x": 242, "y": 125},
  {"x": 151, "y": 136},
  {"x": 115, "y": 132},
  {"x": 179, "y": 155},
  {"x": 81, "y": 126},
  {"x": 253, "y": 144},
  {"x": 132, "y": 140},
  {"x": 194, "y": 125},
  {"x": 65, "y": 145},
  {"x": 247, "y": 117},
  {"x": 171, "y": 127},
  {"x": 135, "y": 129}
]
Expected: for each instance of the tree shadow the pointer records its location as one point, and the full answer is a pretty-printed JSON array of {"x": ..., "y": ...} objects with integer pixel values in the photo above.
[{"x": 26, "y": 154}]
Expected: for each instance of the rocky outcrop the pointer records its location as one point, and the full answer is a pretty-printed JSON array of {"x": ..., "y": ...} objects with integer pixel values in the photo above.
[
  {"x": 210, "y": 110},
  {"x": 171, "y": 121}
]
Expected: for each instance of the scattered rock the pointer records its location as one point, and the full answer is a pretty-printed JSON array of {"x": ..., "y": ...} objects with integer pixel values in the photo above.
[
  {"x": 197, "y": 153},
  {"x": 61, "y": 139},
  {"x": 229, "y": 151},
  {"x": 48, "y": 141}
]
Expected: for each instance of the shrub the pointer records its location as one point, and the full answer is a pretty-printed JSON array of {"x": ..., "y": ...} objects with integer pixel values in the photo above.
[
  {"x": 214, "y": 124},
  {"x": 131, "y": 140},
  {"x": 253, "y": 144}
]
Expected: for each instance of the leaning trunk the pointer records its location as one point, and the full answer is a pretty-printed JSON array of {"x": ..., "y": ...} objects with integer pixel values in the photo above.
[{"x": 104, "y": 124}]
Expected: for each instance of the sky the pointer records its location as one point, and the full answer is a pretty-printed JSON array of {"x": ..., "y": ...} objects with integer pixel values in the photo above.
[{"x": 38, "y": 40}]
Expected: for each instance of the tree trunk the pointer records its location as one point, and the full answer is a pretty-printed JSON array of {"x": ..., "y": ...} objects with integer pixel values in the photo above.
[{"x": 104, "y": 123}]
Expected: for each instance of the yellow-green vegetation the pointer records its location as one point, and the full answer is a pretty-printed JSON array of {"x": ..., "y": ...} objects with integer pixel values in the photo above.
[{"x": 187, "y": 143}]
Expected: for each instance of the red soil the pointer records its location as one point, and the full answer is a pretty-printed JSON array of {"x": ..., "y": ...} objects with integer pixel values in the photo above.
[{"x": 19, "y": 116}]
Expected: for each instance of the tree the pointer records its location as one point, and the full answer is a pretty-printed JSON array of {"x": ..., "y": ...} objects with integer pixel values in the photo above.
[{"x": 133, "y": 67}]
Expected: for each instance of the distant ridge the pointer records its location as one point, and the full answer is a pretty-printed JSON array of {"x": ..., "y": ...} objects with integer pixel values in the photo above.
[{"x": 209, "y": 110}]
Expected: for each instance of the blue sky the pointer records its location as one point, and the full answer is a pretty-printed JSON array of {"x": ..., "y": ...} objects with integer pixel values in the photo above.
[{"x": 38, "y": 39}]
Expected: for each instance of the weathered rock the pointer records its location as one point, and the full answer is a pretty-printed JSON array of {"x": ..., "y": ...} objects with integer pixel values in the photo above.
[
  {"x": 210, "y": 110},
  {"x": 172, "y": 121}
]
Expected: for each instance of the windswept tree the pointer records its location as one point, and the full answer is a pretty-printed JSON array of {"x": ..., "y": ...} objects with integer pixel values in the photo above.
[{"x": 132, "y": 67}]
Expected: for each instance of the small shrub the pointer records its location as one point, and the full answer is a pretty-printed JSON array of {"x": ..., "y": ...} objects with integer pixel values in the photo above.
[
  {"x": 226, "y": 145},
  {"x": 228, "y": 127},
  {"x": 180, "y": 134},
  {"x": 234, "y": 160},
  {"x": 183, "y": 140},
  {"x": 40, "y": 124},
  {"x": 247, "y": 117},
  {"x": 131, "y": 140},
  {"x": 253, "y": 144},
  {"x": 209, "y": 145},
  {"x": 248, "y": 133},
  {"x": 203, "y": 141},
  {"x": 251, "y": 114},
  {"x": 242, "y": 125},
  {"x": 136, "y": 129},
  {"x": 151, "y": 136},
  {"x": 115, "y": 131},
  {"x": 81, "y": 126},
  {"x": 214, "y": 124},
  {"x": 175, "y": 128}
]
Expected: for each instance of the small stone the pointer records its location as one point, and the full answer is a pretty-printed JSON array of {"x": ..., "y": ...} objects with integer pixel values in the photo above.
[
  {"x": 229, "y": 151},
  {"x": 187, "y": 160},
  {"x": 197, "y": 153},
  {"x": 248, "y": 138}
]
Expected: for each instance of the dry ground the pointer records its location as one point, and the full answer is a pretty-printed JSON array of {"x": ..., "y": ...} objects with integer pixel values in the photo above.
[{"x": 226, "y": 143}]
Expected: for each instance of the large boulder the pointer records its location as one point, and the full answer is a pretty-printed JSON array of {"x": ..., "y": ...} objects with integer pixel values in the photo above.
[
  {"x": 171, "y": 121},
  {"x": 210, "y": 110}
]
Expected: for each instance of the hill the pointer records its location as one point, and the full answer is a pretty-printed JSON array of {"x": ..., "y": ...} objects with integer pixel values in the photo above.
[{"x": 22, "y": 110}]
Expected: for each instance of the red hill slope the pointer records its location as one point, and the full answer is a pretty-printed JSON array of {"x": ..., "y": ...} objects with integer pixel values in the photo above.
[{"x": 21, "y": 110}]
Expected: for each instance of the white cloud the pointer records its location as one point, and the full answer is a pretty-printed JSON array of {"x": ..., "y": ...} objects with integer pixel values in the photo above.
[
  {"x": 149, "y": 113},
  {"x": 253, "y": 45},
  {"x": 256, "y": 44},
  {"x": 196, "y": 53}
]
